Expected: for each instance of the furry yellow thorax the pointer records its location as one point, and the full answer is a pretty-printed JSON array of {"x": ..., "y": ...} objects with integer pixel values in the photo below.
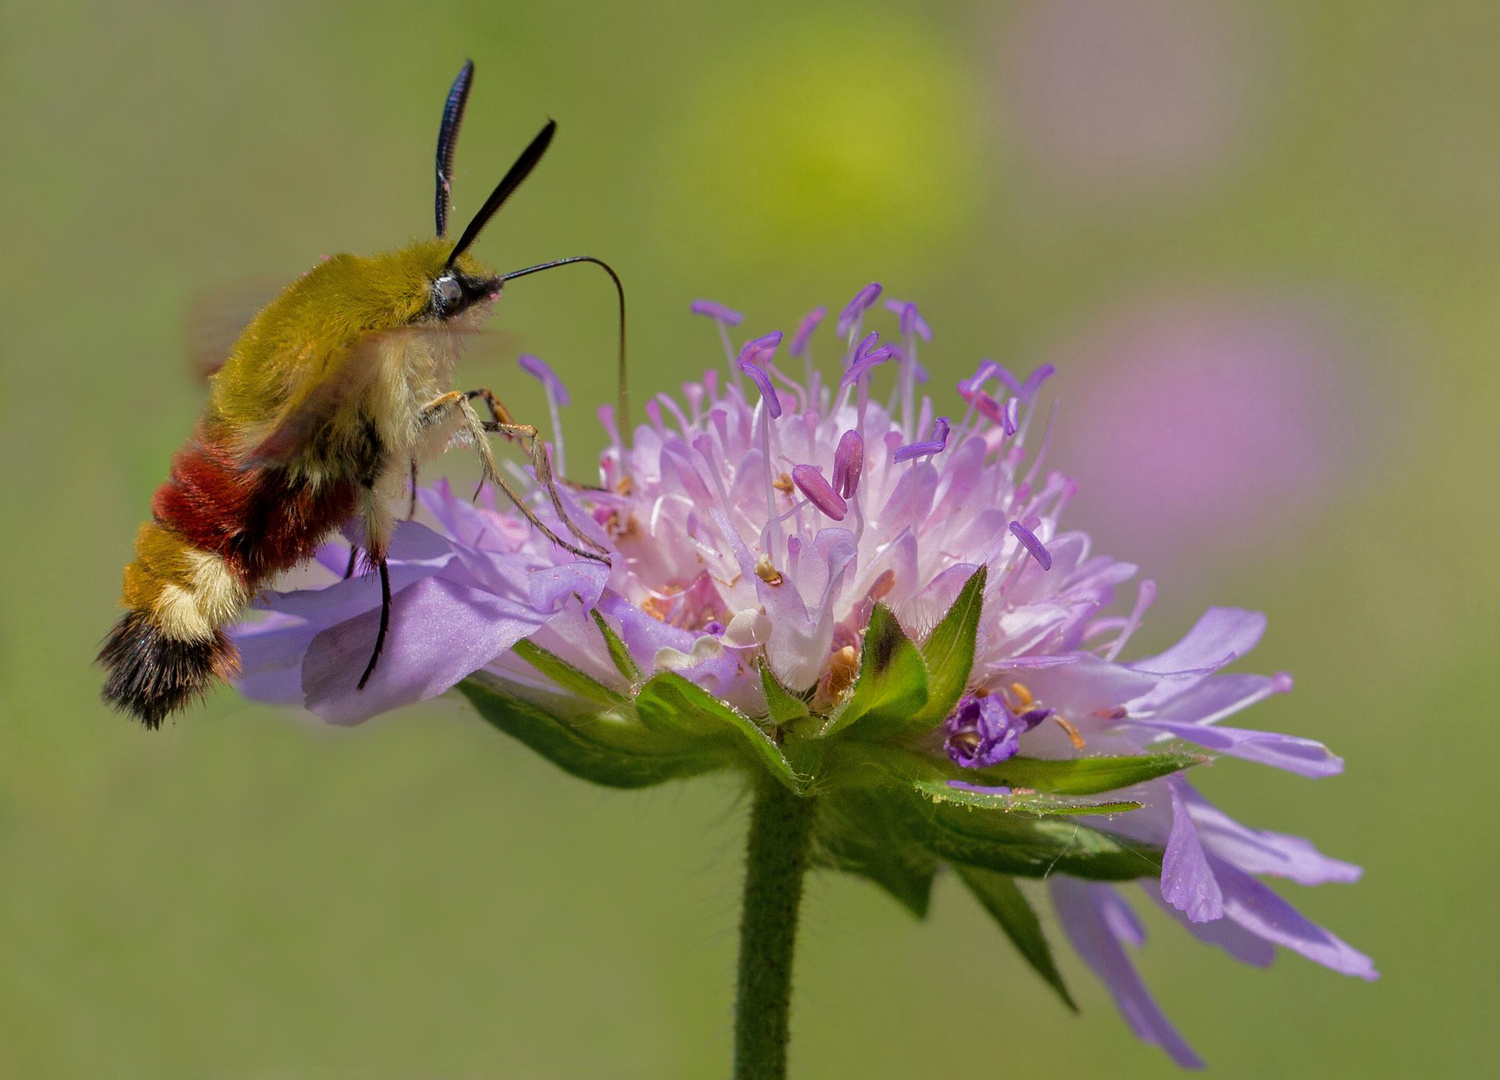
[{"x": 302, "y": 336}]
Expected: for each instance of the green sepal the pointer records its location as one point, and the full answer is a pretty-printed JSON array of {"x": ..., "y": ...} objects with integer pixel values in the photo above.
[
  {"x": 1083, "y": 776},
  {"x": 1008, "y": 906},
  {"x": 567, "y": 676},
  {"x": 671, "y": 704},
  {"x": 860, "y": 832},
  {"x": 891, "y": 686},
  {"x": 624, "y": 663},
  {"x": 1023, "y": 845},
  {"x": 949, "y": 652},
  {"x": 786, "y": 708},
  {"x": 1029, "y": 804},
  {"x": 607, "y": 747}
]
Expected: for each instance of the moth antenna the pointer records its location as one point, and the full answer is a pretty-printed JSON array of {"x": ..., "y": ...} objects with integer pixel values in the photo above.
[
  {"x": 508, "y": 184},
  {"x": 624, "y": 394},
  {"x": 453, "y": 115}
]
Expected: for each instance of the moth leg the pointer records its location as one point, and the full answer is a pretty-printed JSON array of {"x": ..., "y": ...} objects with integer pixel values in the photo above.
[
  {"x": 385, "y": 620},
  {"x": 353, "y": 559},
  {"x": 439, "y": 408},
  {"x": 503, "y": 423},
  {"x": 411, "y": 510}
]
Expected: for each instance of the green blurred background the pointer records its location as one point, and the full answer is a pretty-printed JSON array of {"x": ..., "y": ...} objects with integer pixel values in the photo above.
[{"x": 1262, "y": 238}]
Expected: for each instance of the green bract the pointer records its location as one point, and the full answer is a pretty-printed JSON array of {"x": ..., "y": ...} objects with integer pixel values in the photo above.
[{"x": 874, "y": 766}]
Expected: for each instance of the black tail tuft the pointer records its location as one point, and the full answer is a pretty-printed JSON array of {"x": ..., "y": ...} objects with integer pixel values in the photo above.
[{"x": 152, "y": 675}]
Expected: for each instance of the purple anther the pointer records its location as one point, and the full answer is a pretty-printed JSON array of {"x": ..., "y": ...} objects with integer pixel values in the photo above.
[
  {"x": 718, "y": 312},
  {"x": 805, "y": 329},
  {"x": 848, "y": 462},
  {"x": 1034, "y": 381},
  {"x": 857, "y": 307},
  {"x": 861, "y": 367},
  {"x": 911, "y": 319},
  {"x": 935, "y": 445},
  {"x": 988, "y": 407},
  {"x": 819, "y": 492},
  {"x": 761, "y": 348},
  {"x": 1010, "y": 420},
  {"x": 763, "y": 383},
  {"x": 537, "y": 368},
  {"x": 1029, "y": 541},
  {"x": 986, "y": 371},
  {"x": 1032, "y": 717}
]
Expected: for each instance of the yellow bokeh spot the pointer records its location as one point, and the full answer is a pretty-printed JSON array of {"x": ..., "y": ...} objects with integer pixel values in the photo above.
[{"x": 831, "y": 141}]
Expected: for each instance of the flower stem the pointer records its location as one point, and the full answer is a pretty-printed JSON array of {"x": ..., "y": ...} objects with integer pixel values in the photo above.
[{"x": 775, "y": 861}]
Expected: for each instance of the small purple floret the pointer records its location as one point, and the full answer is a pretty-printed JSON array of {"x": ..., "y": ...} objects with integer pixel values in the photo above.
[
  {"x": 819, "y": 492},
  {"x": 805, "y": 329},
  {"x": 857, "y": 307},
  {"x": 718, "y": 312},
  {"x": 848, "y": 461},
  {"x": 983, "y": 732},
  {"x": 536, "y": 367},
  {"x": 763, "y": 383},
  {"x": 935, "y": 445},
  {"x": 1029, "y": 541}
]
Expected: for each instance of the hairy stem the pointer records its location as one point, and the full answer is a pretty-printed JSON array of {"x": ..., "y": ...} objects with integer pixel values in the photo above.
[{"x": 775, "y": 862}]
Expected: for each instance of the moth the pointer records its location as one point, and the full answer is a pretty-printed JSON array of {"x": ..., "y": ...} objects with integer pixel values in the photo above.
[{"x": 327, "y": 404}]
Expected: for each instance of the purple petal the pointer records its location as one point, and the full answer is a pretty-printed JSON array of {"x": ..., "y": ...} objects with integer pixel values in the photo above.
[
  {"x": 440, "y": 633},
  {"x": 271, "y": 652},
  {"x": 717, "y": 312},
  {"x": 551, "y": 587},
  {"x": 537, "y": 367},
  {"x": 1194, "y": 699},
  {"x": 819, "y": 492},
  {"x": 1032, "y": 544},
  {"x": 1302, "y": 756},
  {"x": 805, "y": 330},
  {"x": 1218, "y": 637},
  {"x": 1187, "y": 882},
  {"x": 1258, "y": 852},
  {"x": 1258, "y": 909},
  {"x": 1229, "y": 936},
  {"x": 1093, "y": 916}
]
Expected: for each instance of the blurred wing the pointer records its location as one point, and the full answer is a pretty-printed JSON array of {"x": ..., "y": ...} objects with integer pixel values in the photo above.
[
  {"x": 316, "y": 414},
  {"x": 216, "y": 317},
  {"x": 322, "y": 408}
]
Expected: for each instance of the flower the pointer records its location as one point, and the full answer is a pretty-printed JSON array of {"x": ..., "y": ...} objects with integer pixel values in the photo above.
[{"x": 884, "y": 615}]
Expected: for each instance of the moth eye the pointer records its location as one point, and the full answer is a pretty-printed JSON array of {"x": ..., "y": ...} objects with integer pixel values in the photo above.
[{"x": 446, "y": 292}]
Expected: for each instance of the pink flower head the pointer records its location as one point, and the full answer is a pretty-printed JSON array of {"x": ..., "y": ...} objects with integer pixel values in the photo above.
[{"x": 783, "y": 582}]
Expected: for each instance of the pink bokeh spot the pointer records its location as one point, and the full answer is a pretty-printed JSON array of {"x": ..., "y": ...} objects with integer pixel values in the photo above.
[
  {"x": 1121, "y": 90},
  {"x": 1206, "y": 422}
]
